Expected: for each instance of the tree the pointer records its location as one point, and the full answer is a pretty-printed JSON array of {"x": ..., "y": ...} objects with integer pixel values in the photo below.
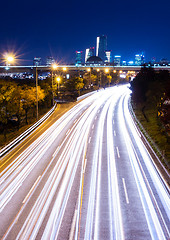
[
  {"x": 74, "y": 85},
  {"x": 8, "y": 102},
  {"x": 29, "y": 98}
]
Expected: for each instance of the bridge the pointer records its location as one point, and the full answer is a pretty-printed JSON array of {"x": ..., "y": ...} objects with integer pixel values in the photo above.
[{"x": 18, "y": 69}]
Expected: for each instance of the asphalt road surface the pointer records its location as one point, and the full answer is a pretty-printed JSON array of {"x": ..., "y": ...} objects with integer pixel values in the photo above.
[{"x": 86, "y": 175}]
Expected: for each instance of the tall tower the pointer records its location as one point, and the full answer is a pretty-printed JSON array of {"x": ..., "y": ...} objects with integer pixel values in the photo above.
[
  {"x": 101, "y": 47},
  {"x": 89, "y": 53},
  {"x": 78, "y": 57},
  {"x": 139, "y": 59}
]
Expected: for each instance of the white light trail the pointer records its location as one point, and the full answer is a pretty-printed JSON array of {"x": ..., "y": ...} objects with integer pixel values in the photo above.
[
  {"x": 147, "y": 197},
  {"x": 116, "y": 224},
  {"x": 125, "y": 190}
]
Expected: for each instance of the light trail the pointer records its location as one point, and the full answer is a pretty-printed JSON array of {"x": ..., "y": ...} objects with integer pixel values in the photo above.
[
  {"x": 116, "y": 225},
  {"x": 157, "y": 227},
  {"x": 72, "y": 145}
]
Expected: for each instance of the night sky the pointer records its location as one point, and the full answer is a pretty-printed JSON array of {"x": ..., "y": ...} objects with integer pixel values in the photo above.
[{"x": 58, "y": 28}]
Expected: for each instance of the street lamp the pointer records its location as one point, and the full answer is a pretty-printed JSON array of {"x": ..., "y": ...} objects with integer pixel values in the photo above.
[
  {"x": 36, "y": 83},
  {"x": 54, "y": 67},
  {"x": 99, "y": 81},
  {"x": 58, "y": 81},
  {"x": 108, "y": 77},
  {"x": 89, "y": 70},
  {"x": 106, "y": 70},
  {"x": 9, "y": 58}
]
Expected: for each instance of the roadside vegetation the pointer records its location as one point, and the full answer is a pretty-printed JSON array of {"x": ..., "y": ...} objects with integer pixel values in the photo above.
[
  {"x": 151, "y": 104},
  {"x": 18, "y": 97}
]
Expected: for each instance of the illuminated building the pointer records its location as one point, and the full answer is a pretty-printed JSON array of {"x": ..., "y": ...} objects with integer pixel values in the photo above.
[
  {"x": 101, "y": 47},
  {"x": 108, "y": 56},
  {"x": 89, "y": 53},
  {"x": 50, "y": 61},
  {"x": 130, "y": 63},
  {"x": 117, "y": 60},
  {"x": 164, "y": 62},
  {"x": 94, "y": 60},
  {"x": 37, "y": 61},
  {"x": 78, "y": 58},
  {"x": 139, "y": 59}
]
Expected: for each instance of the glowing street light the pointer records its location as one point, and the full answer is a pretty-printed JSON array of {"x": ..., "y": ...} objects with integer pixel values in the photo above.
[
  {"x": 106, "y": 70},
  {"x": 64, "y": 69},
  {"x": 114, "y": 71},
  {"x": 9, "y": 58},
  {"x": 54, "y": 66},
  {"x": 58, "y": 79}
]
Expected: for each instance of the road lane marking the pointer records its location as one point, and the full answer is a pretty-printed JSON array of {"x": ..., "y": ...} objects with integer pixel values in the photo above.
[
  {"x": 75, "y": 120},
  {"x": 93, "y": 126},
  {"x": 31, "y": 190},
  {"x": 95, "y": 117},
  {"x": 84, "y": 167},
  {"x": 67, "y": 132},
  {"x": 71, "y": 237},
  {"x": 118, "y": 154},
  {"x": 125, "y": 190},
  {"x": 113, "y": 121},
  {"x": 89, "y": 139},
  {"x": 114, "y": 133},
  {"x": 56, "y": 151}
]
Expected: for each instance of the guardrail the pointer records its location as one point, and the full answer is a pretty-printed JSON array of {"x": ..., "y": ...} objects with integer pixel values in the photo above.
[{"x": 24, "y": 134}]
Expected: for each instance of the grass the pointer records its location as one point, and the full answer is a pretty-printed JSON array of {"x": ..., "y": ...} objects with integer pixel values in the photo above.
[{"x": 156, "y": 131}]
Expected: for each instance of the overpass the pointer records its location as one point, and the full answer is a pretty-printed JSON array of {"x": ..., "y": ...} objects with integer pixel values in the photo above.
[{"x": 18, "y": 69}]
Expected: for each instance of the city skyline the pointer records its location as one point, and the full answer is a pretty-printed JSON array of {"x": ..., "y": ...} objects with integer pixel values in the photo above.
[{"x": 41, "y": 29}]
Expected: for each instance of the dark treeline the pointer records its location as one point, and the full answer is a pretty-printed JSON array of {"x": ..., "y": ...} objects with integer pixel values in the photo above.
[
  {"x": 150, "y": 88},
  {"x": 151, "y": 99}
]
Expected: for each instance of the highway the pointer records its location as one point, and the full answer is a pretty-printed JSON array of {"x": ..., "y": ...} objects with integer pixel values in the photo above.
[{"x": 88, "y": 175}]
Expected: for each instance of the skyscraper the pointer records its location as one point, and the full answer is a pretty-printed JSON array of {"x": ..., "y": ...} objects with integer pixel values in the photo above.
[
  {"x": 101, "y": 47},
  {"x": 89, "y": 53},
  {"x": 78, "y": 57},
  {"x": 117, "y": 60},
  {"x": 37, "y": 61},
  {"x": 50, "y": 61},
  {"x": 139, "y": 59},
  {"x": 108, "y": 54}
]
